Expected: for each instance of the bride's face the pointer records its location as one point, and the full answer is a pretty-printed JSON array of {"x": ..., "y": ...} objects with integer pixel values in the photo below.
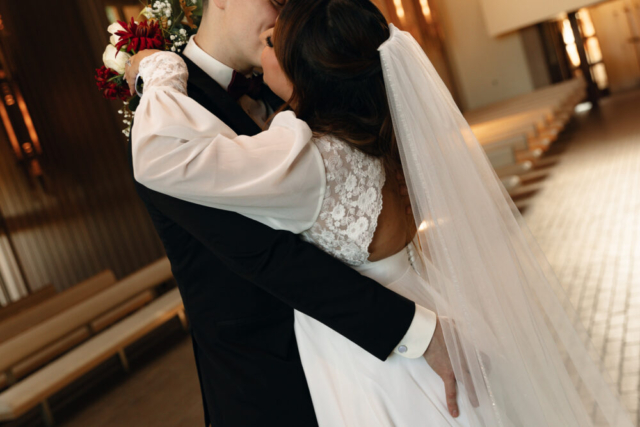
[{"x": 274, "y": 77}]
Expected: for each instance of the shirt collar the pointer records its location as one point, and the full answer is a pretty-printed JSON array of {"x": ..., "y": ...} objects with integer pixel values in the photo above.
[{"x": 219, "y": 72}]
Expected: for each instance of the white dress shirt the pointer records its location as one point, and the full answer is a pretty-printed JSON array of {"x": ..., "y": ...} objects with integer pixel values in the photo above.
[
  {"x": 276, "y": 177},
  {"x": 258, "y": 110}
]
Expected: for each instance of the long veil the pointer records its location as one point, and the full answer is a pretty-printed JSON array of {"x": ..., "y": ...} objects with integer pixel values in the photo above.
[{"x": 516, "y": 353}]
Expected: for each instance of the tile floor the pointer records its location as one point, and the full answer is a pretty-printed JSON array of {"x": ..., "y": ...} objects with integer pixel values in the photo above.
[{"x": 587, "y": 222}]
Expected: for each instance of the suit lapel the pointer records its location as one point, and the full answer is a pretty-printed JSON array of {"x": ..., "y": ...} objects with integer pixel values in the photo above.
[{"x": 218, "y": 101}]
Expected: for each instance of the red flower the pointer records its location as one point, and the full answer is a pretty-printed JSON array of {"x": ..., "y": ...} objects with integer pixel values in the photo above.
[
  {"x": 140, "y": 36},
  {"x": 111, "y": 89}
]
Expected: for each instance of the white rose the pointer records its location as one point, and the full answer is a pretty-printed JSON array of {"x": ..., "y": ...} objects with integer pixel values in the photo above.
[
  {"x": 116, "y": 63},
  {"x": 113, "y": 29}
]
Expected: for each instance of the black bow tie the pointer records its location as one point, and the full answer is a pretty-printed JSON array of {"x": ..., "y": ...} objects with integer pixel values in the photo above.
[{"x": 240, "y": 85}]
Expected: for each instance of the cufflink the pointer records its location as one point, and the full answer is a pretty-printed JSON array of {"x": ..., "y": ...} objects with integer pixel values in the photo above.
[{"x": 402, "y": 349}]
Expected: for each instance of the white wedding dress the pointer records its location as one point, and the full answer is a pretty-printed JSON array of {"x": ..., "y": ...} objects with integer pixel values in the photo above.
[
  {"x": 349, "y": 387},
  {"x": 476, "y": 265}
]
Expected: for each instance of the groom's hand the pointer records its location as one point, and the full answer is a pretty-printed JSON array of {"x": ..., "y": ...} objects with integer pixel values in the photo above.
[{"x": 437, "y": 357}]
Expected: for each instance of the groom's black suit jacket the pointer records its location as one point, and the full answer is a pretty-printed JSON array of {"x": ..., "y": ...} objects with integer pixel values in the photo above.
[{"x": 240, "y": 281}]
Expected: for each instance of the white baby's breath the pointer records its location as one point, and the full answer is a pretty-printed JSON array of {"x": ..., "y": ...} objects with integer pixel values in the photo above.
[{"x": 147, "y": 12}]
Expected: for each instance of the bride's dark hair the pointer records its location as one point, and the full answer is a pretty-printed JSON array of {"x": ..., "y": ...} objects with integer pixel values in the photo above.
[{"x": 329, "y": 51}]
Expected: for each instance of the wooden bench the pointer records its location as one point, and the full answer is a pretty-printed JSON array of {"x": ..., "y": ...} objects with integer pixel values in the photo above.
[
  {"x": 27, "y": 302},
  {"x": 39, "y": 386},
  {"x": 29, "y": 350},
  {"x": 26, "y": 319},
  {"x": 515, "y": 169},
  {"x": 529, "y": 123},
  {"x": 517, "y": 132},
  {"x": 555, "y": 102}
]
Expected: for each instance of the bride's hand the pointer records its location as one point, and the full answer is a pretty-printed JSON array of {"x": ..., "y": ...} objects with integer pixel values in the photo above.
[{"x": 132, "y": 67}]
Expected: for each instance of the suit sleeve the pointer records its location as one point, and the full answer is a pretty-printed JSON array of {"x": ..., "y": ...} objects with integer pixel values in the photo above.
[
  {"x": 417, "y": 339},
  {"x": 299, "y": 274}
]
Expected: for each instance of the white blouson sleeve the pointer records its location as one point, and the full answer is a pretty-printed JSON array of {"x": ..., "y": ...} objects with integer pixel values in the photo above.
[{"x": 181, "y": 149}]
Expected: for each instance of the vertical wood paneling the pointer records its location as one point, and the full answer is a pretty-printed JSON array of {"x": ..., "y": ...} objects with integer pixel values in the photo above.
[{"x": 86, "y": 217}]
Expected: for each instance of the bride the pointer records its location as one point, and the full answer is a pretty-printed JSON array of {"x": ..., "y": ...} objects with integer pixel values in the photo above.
[{"x": 368, "y": 103}]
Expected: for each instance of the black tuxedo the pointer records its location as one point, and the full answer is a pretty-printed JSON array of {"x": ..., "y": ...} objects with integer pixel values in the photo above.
[{"x": 240, "y": 281}]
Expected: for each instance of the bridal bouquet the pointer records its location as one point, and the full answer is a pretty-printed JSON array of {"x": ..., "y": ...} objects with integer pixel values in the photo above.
[{"x": 162, "y": 24}]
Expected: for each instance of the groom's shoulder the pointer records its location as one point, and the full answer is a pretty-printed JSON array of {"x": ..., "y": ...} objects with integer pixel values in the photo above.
[
  {"x": 195, "y": 72},
  {"x": 200, "y": 86}
]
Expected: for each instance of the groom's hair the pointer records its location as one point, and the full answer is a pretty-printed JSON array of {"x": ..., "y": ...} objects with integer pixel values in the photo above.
[{"x": 329, "y": 51}]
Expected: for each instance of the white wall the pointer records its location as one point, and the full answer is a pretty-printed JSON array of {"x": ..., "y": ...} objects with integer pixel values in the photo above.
[
  {"x": 508, "y": 15},
  {"x": 486, "y": 69},
  {"x": 617, "y": 22}
]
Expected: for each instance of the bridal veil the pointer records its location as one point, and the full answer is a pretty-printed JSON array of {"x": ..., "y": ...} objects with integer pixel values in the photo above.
[{"x": 509, "y": 329}]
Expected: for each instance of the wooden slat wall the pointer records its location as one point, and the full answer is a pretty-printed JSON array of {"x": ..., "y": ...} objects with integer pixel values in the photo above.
[{"x": 87, "y": 217}]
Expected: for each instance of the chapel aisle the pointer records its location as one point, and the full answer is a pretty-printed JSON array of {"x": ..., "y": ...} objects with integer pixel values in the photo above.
[{"x": 587, "y": 222}]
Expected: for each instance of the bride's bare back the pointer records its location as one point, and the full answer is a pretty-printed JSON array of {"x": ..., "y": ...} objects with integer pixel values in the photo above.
[{"x": 396, "y": 228}]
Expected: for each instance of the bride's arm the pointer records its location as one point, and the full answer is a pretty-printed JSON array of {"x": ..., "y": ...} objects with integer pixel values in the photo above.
[{"x": 182, "y": 150}]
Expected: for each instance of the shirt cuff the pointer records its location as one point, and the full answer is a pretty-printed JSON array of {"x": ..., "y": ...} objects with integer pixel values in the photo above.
[{"x": 415, "y": 342}]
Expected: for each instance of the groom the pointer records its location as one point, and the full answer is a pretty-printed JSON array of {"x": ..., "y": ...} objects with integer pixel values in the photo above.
[{"x": 240, "y": 280}]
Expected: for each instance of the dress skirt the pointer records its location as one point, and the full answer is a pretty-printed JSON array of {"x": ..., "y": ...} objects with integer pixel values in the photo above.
[{"x": 351, "y": 388}]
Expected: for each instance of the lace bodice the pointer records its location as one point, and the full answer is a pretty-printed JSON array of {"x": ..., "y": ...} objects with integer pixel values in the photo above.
[{"x": 352, "y": 202}]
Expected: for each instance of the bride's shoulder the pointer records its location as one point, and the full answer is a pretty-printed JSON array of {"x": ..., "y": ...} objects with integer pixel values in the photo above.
[
  {"x": 346, "y": 165},
  {"x": 332, "y": 146}
]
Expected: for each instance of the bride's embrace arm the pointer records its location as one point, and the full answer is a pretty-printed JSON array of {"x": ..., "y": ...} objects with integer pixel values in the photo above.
[
  {"x": 277, "y": 177},
  {"x": 180, "y": 149}
]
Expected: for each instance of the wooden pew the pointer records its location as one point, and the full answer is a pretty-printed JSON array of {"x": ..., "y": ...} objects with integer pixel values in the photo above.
[
  {"x": 552, "y": 101},
  {"x": 39, "y": 386},
  {"x": 62, "y": 331},
  {"x": 19, "y": 323},
  {"x": 27, "y": 302},
  {"x": 501, "y": 157},
  {"x": 515, "y": 169},
  {"x": 50, "y": 352},
  {"x": 530, "y": 122}
]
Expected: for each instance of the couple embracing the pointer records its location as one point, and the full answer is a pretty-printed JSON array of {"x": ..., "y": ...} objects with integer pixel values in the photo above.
[{"x": 345, "y": 253}]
